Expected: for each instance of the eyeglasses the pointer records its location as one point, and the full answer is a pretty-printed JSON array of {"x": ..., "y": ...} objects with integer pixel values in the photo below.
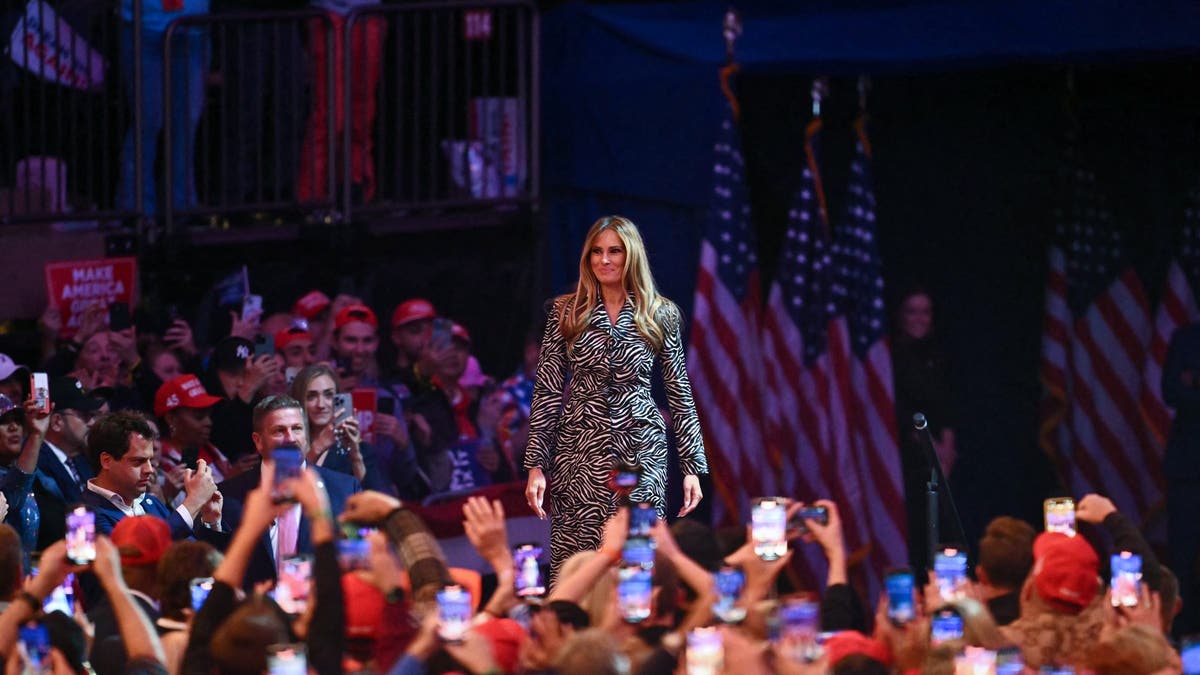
[{"x": 86, "y": 418}]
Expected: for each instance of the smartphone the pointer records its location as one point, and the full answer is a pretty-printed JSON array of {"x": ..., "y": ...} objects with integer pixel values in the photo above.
[
  {"x": 439, "y": 338},
  {"x": 200, "y": 588},
  {"x": 251, "y": 305},
  {"x": 1060, "y": 515},
  {"x": 62, "y": 598},
  {"x": 454, "y": 614},
  {"x": 35, "y": 640},
  {"x": 1189, "y": 653},
  {"x": 39, "y": 385},
  {"x": 189, "y": 456},
  {"x": 528, "y": 582},
  {"x": 386, "y": 405},
  {"x": 119, "y": 317},
  {"x": 975, "y": 661},
  {"x": 287, "y": 659},
  {"x": 705, "y": 652},
  {"x": 295, "y": 584},
  {"x": 354, "y": 550},
  {"x": 798, "y": 629},
  {"x": 638, "y": 551},
  {"x": 634, "y": 592},
  {"x": 625, "y": 478},
  {"x": 768, "y": 527},
  {"x": 289, "y": 461},
  {"x": 901, "y": 607},
  {"x": 946, "y": 625},
  {"x": 289, "y": 374},
  {"x": 1126, "y": 581},
  {"x": 950, "y": 566},
  {"x": 642, "y": 518},
  {"x": 264, "y": 345},
  {"x": 729, "y": 582},
  {"x": 796, "y": 526},
  {"x": 81, "y": 535},
  {"x": 343, "y": 407}
]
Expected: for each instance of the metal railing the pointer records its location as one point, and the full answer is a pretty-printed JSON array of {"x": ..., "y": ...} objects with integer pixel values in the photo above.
[{"x": 432, "y": 107}]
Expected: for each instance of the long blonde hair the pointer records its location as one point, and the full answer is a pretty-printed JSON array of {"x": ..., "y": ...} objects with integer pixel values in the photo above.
[{"x": 635, "y": 276}]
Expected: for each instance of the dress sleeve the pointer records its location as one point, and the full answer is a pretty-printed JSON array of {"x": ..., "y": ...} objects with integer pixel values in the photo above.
[
  {"x": 548, "y": 386},
  {"x": 685, "y": 422}
]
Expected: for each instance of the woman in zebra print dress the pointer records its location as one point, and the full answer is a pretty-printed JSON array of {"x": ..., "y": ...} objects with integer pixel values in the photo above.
[{"x": 606, "y": 337}]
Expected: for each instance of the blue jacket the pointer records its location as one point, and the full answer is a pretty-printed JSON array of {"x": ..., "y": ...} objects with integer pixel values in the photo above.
[
  {"x": 56, "y": 490},
  {"x": 261, "y": 567}
]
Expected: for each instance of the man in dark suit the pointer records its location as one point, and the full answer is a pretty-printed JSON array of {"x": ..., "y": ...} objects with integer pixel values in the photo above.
[
  {"x": 279, "y": 421},
  {"x": 121, "y": 449},
  {"x": 63, "y": 469}
]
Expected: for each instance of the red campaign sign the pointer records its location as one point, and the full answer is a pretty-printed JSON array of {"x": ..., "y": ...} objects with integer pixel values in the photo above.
[
  {"x": 477, "y": 24},
  {"x": 75, "y": 285},
  {"x": 365, "y": 404}
]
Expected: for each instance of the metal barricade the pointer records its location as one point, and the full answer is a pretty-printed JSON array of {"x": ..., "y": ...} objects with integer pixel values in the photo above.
[
  {"x": 441, "y": 106},
  {"x": 249, "y": 160},
  {"x": 65, "y": 153}
]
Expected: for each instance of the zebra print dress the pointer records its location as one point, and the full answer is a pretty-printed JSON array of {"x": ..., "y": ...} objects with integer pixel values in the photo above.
[{"x": 608, "y": 417}]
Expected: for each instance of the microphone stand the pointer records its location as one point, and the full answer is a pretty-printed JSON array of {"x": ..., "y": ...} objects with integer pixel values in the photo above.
[{"x": 937, "y": 484}]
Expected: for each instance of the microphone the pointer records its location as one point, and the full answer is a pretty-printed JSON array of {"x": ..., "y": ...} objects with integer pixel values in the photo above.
[{"x": 919, "y": 421}]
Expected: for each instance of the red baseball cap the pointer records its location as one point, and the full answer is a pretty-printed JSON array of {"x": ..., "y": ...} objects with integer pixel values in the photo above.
[
  {"x": 1065, "y": 570},
  {"x": 289, "y": 335},
  {"x": 184, "y": 391},
  {"x": 416, "y": 309},
  {"x": 355, "y": 313},
  {"x": 141, "y": 540},
  {"x": 506, "y": 637},
  {"x": 311, "y": 305}
]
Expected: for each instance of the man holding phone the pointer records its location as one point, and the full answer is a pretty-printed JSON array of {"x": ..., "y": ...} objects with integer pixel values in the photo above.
[
  {"x": 121, "y": 449},
  {"x": 62, "y": 466},
  {"x": 280, "y": 425}
]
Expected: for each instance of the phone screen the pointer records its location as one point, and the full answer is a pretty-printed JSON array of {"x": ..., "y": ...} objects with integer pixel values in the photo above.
[
  {"x": 798, "y": 629},
  {"x": 946, "y": 625},
  {"x": 81, "y": 535},
  {"x": 454, "y": 613},
  {"x": 1060, "y": 515},
  {"x": 39, "y": 387},
  {"x": 950, "y": 565},
  {"x": 528, "y": 581},
  {"x": 1189, "y": 652},
  {"x": 200, "y": 587},
  {"x": 768, "y": 524},
  {"x": 638, "y": 551},
  {"x": 251, "y": 305},
  {"x": 440, "y": 336},
  {"x": 287, "y": 659},
  {"x": 642, "y": 517},
  {"x": 354, "y": 550},
  {"x": 900, "y": 597},
  {"x": 1126, "y": 582},
  {"x": 62, "y": 598},
  {"x": 288, "y": 465},
  {"x": 705, "y": 652},
  {"x": 295, "y": 583},
  {"x": 35, "y": 640},
  {"x": 729, "y": 582},
  {"x": 633, "y": 593}
]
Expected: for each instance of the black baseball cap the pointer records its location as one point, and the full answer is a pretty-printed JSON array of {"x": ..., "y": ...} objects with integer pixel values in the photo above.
[
  {"x": 67, "y": 393},
  {"x": 230, "y": 354}
]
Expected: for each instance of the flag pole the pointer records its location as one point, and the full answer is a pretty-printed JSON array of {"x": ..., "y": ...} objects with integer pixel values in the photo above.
[{"x": 732, "y": 30}]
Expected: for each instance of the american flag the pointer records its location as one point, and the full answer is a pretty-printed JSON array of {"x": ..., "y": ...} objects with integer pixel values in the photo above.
[
  {"x": 1094, "y": 343},
  {"x": 858, "y": 292},
  {"x": 808, "y": 378},
  {"x": 1176, "y": 308},
  {"x": 724, "y": 363}
]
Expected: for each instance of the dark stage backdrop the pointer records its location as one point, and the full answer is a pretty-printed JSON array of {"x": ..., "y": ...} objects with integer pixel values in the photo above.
[{"x": 965, "y": 169}]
